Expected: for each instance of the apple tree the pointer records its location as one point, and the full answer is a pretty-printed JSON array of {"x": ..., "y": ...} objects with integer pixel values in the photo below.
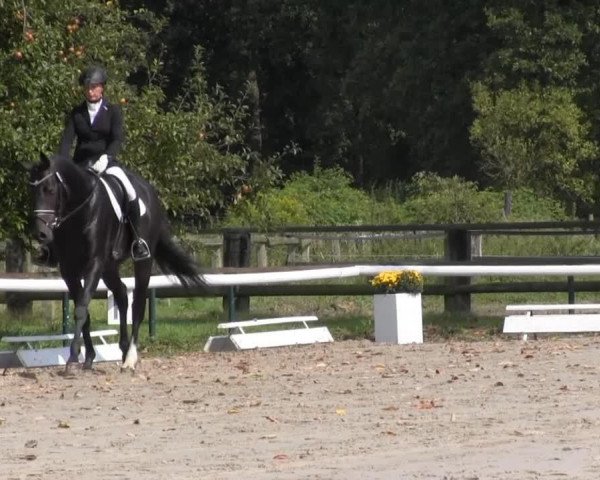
[{"x": 193, "y": 151}]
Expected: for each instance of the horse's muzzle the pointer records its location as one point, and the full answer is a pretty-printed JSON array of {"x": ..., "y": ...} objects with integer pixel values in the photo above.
[
  {"x": 44, "y": 237},
  {"x": 43, "y": 233}
]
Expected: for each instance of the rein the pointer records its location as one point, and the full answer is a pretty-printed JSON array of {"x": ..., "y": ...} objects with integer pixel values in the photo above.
[{"x": 58, "y": 220}]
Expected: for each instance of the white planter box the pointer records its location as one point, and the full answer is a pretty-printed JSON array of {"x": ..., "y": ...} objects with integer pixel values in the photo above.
[{"x": 398, "y": 318}]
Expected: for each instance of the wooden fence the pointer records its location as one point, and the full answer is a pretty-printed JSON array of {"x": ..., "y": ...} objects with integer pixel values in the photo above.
[
  {"x": 305, "y": 245},
  {"x": 460, "y": 244}
]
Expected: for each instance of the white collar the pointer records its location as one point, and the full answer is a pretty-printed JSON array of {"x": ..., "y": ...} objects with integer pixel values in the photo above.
[{"x": 94, "y": 107}]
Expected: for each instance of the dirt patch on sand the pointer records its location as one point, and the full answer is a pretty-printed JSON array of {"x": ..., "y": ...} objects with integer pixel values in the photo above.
[{"x": 348, "y": 410}]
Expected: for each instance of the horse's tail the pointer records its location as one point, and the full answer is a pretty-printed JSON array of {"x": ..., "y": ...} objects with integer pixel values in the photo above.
[{"x": 173, "y": 260}]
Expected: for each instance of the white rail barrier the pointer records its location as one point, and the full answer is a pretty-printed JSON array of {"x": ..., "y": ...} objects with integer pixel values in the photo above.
[{"x": 262, "y": 278}]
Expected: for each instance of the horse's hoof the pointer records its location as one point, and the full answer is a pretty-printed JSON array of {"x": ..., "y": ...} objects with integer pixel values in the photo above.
[
  {"x": 131, "y": 358},
  {"x": 73, "y": 359},
  {"x": 88, "y": 366}
]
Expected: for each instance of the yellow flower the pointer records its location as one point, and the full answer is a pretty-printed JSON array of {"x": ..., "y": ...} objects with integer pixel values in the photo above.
[{"x": 398, "y": 281}]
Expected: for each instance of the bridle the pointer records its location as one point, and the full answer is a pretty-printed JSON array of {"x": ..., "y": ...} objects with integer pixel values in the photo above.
[{"x": 52, "y": 218}]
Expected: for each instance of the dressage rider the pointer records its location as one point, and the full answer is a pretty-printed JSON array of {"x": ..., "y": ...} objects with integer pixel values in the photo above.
[{"x": 97, "y": 126}]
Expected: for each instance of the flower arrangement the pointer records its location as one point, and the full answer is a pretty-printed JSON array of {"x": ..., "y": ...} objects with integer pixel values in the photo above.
[{"x": 401, "y": 281}]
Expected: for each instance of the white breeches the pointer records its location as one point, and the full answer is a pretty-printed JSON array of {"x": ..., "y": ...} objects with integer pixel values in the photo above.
[{"x": 120, "y": 174}]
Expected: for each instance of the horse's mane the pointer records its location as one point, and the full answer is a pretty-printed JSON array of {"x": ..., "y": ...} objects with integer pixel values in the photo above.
[
  {"x": 63, "y": 164},
  {"x": 77, "y": 178}
]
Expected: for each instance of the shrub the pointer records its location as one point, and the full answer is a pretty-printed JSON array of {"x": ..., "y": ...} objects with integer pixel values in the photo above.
[
  {"x": 323, "y": 198},
  {"x": 434, "y": 199}
]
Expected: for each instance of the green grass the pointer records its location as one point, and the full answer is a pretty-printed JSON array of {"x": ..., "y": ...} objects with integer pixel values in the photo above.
[{"x": 184, "y": 325}]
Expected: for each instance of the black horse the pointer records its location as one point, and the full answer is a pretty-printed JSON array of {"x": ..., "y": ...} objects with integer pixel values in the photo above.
[{"x": 73, "y": 211}]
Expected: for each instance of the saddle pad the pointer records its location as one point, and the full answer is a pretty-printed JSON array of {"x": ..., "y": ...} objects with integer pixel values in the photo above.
[
  {"x": 113, "y": 199},
  {"x": 115, "y": 203}
]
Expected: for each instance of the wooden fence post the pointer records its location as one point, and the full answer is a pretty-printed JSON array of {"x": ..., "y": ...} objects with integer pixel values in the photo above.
[
  {"x": 477, "y": 245},
  {"x": 236, "y": 253},
  {"x": 16, "y": 256},
  {"x": 305, "y": 244},
  {"x": 458, "y": 248},
  {"x": 216, "y": 257},
  {"x": 262, "y": 257}
]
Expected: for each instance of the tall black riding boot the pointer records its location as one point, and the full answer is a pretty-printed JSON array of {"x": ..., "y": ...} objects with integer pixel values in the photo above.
[{"x": 139, "y": 247}]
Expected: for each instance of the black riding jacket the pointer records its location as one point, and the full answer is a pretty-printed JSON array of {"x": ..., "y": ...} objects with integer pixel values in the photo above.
[{"x": 105, "y": 136}]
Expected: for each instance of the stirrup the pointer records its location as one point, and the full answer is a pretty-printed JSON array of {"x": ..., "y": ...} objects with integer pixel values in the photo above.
[{"x": 139, "y": 250}]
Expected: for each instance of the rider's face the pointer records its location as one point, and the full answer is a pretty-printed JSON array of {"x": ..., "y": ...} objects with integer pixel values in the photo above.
[{"x": 93, "y": 92}]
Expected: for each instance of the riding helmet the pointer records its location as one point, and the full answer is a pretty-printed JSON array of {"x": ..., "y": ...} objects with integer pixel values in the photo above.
[{"x": 93, "y": 74}]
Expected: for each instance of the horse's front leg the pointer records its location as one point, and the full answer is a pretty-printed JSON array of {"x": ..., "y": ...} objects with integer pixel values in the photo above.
[
  {"x": 82, "y": 297},
  {"x": 90, "y": 353}
]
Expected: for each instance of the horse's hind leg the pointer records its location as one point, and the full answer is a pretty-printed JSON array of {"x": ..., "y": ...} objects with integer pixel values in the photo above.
[
  {"x": 119, "y": 290},
  {"x": 142, "y": 277}
]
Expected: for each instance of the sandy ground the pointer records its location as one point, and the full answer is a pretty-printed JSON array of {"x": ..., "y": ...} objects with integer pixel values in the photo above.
[{"x": 349, "y": 410}]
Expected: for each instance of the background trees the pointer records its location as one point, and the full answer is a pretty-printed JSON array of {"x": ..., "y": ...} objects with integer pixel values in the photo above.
[
  {"x": 223, "y": 93},
  {"x": 190, "y": 146},
  {"x": 535, "y": 137},
  {"x": 388, "y": 89}
]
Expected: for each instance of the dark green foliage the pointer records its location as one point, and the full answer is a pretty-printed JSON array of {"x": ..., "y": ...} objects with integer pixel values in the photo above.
[
  {"x": 192, "y": 149},
  {"x": 325, "y": 198},
  {"x": 225, "y": 95}
]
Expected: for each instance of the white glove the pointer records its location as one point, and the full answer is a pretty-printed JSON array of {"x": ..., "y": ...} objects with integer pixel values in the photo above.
[{"x": 100, "y": 164}]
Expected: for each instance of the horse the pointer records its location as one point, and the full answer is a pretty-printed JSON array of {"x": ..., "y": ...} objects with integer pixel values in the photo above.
[{"x": 73, "y": 211}]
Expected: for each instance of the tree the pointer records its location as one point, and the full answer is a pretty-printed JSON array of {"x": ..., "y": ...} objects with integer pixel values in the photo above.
[
  {"x": 190, "y": 150},
  {"x": 533, "y": 127},
  {"x": 41, "y": 53},
  {"x": 404, "y": 97},
  {"x": 535, "y": 137},
  {"x": 538, "y": 42},
  {"x": 255, "y": 51}
]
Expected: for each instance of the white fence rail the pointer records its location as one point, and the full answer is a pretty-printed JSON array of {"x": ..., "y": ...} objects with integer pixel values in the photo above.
[{"x": 273, "y": 277}]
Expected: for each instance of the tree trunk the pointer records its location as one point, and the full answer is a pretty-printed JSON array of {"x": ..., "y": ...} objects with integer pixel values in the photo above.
[
  {"x": 16, "y": 262},
  {"x": 253, "y": 90}
]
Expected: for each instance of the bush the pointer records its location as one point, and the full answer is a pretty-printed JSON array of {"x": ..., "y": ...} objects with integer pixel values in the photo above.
[
  {"x": 434, "y": 199},
  {"x": 327, "y": 198},
  {"x": 324, "y": 198}
]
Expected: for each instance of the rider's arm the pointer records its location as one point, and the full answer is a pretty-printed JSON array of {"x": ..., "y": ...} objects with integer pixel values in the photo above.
[
  {"x": 116, "y": 132},
  {"x": 68, "y": 136}
]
